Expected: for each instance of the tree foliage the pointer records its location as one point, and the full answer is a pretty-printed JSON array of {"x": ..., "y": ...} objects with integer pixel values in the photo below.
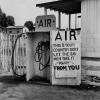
[
  {"x": 3, "y": 19},
  {"x": 29, "y": 25},
  {"x": 10, "y": 21},
  {"x": 6, "y": 21}
]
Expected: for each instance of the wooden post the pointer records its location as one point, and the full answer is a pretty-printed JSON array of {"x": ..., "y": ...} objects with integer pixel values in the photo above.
[
  {"x": 69, "y": 21},
  {"x": 75, "y": 21},
  {"x": 45, "y": 11},
  {"x": 59, "y": 20}
]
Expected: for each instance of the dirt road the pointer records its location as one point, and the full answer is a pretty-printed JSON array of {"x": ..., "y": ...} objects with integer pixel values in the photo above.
[{"x": 11, "y": 89}]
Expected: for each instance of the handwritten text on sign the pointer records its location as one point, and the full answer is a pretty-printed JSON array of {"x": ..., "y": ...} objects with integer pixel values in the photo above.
[{"x": 66, "y": 53}]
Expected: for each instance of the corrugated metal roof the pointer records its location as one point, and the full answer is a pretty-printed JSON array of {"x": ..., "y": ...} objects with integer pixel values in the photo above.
[{"x": 65, "y": 6}]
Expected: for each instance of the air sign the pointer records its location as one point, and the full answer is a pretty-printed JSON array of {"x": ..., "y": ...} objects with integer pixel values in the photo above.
[
  {"x": 45, "y": 23},
  {"x": 66, "y": 54}
]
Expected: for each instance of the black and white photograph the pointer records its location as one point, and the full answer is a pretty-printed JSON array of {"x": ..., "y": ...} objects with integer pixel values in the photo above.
[{"x": 49, "y": 49}]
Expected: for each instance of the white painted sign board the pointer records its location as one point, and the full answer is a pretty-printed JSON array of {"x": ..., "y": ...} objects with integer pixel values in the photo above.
[
  {"x": 45, "y": 23},
  {"x": 66, "y": 54}
]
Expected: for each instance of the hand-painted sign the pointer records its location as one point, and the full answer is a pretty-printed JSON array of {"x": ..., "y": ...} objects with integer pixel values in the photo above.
[
  {"x": 66, "y": 53},
  {"x": 45, "y": 23}
]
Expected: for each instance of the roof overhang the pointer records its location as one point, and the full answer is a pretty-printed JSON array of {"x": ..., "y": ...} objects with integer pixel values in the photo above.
[{"x": 64, "y": 6}]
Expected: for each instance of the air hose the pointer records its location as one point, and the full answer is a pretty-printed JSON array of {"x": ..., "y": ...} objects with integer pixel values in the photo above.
[
  {"x": 12, "y": 58},
  {"x": 42, "y": 49}
]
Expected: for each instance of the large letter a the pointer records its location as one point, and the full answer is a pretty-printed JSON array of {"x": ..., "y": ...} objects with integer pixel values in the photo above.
[{"x": 58, "y": 36}]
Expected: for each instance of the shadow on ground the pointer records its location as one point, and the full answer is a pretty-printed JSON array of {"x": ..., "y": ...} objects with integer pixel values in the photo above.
[
  {"x": 20, "y": 80},
  {"x": 11, "y": 80},
  {"x": 41, "y": 81}
]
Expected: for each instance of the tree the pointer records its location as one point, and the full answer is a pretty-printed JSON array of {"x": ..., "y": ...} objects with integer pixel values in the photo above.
[
  {"x": 10, "y": 21},
  {"x": 3, "y": 20},
  {"x": 29, "y": 25},
  {"x": 6, "y": 21}
]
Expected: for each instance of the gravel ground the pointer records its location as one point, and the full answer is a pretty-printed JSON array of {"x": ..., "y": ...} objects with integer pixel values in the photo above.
[{"x": 14, "y": 89}]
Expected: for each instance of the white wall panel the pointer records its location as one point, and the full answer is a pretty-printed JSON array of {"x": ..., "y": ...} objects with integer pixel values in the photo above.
[
  {"x": 90, "y": 41},
  {"x": 90, "y": 28}
]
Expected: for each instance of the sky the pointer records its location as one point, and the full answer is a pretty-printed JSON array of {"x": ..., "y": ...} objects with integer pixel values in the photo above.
[
  {"x": 25, "y": 10},
  {"x": 22, "y": 10}
]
